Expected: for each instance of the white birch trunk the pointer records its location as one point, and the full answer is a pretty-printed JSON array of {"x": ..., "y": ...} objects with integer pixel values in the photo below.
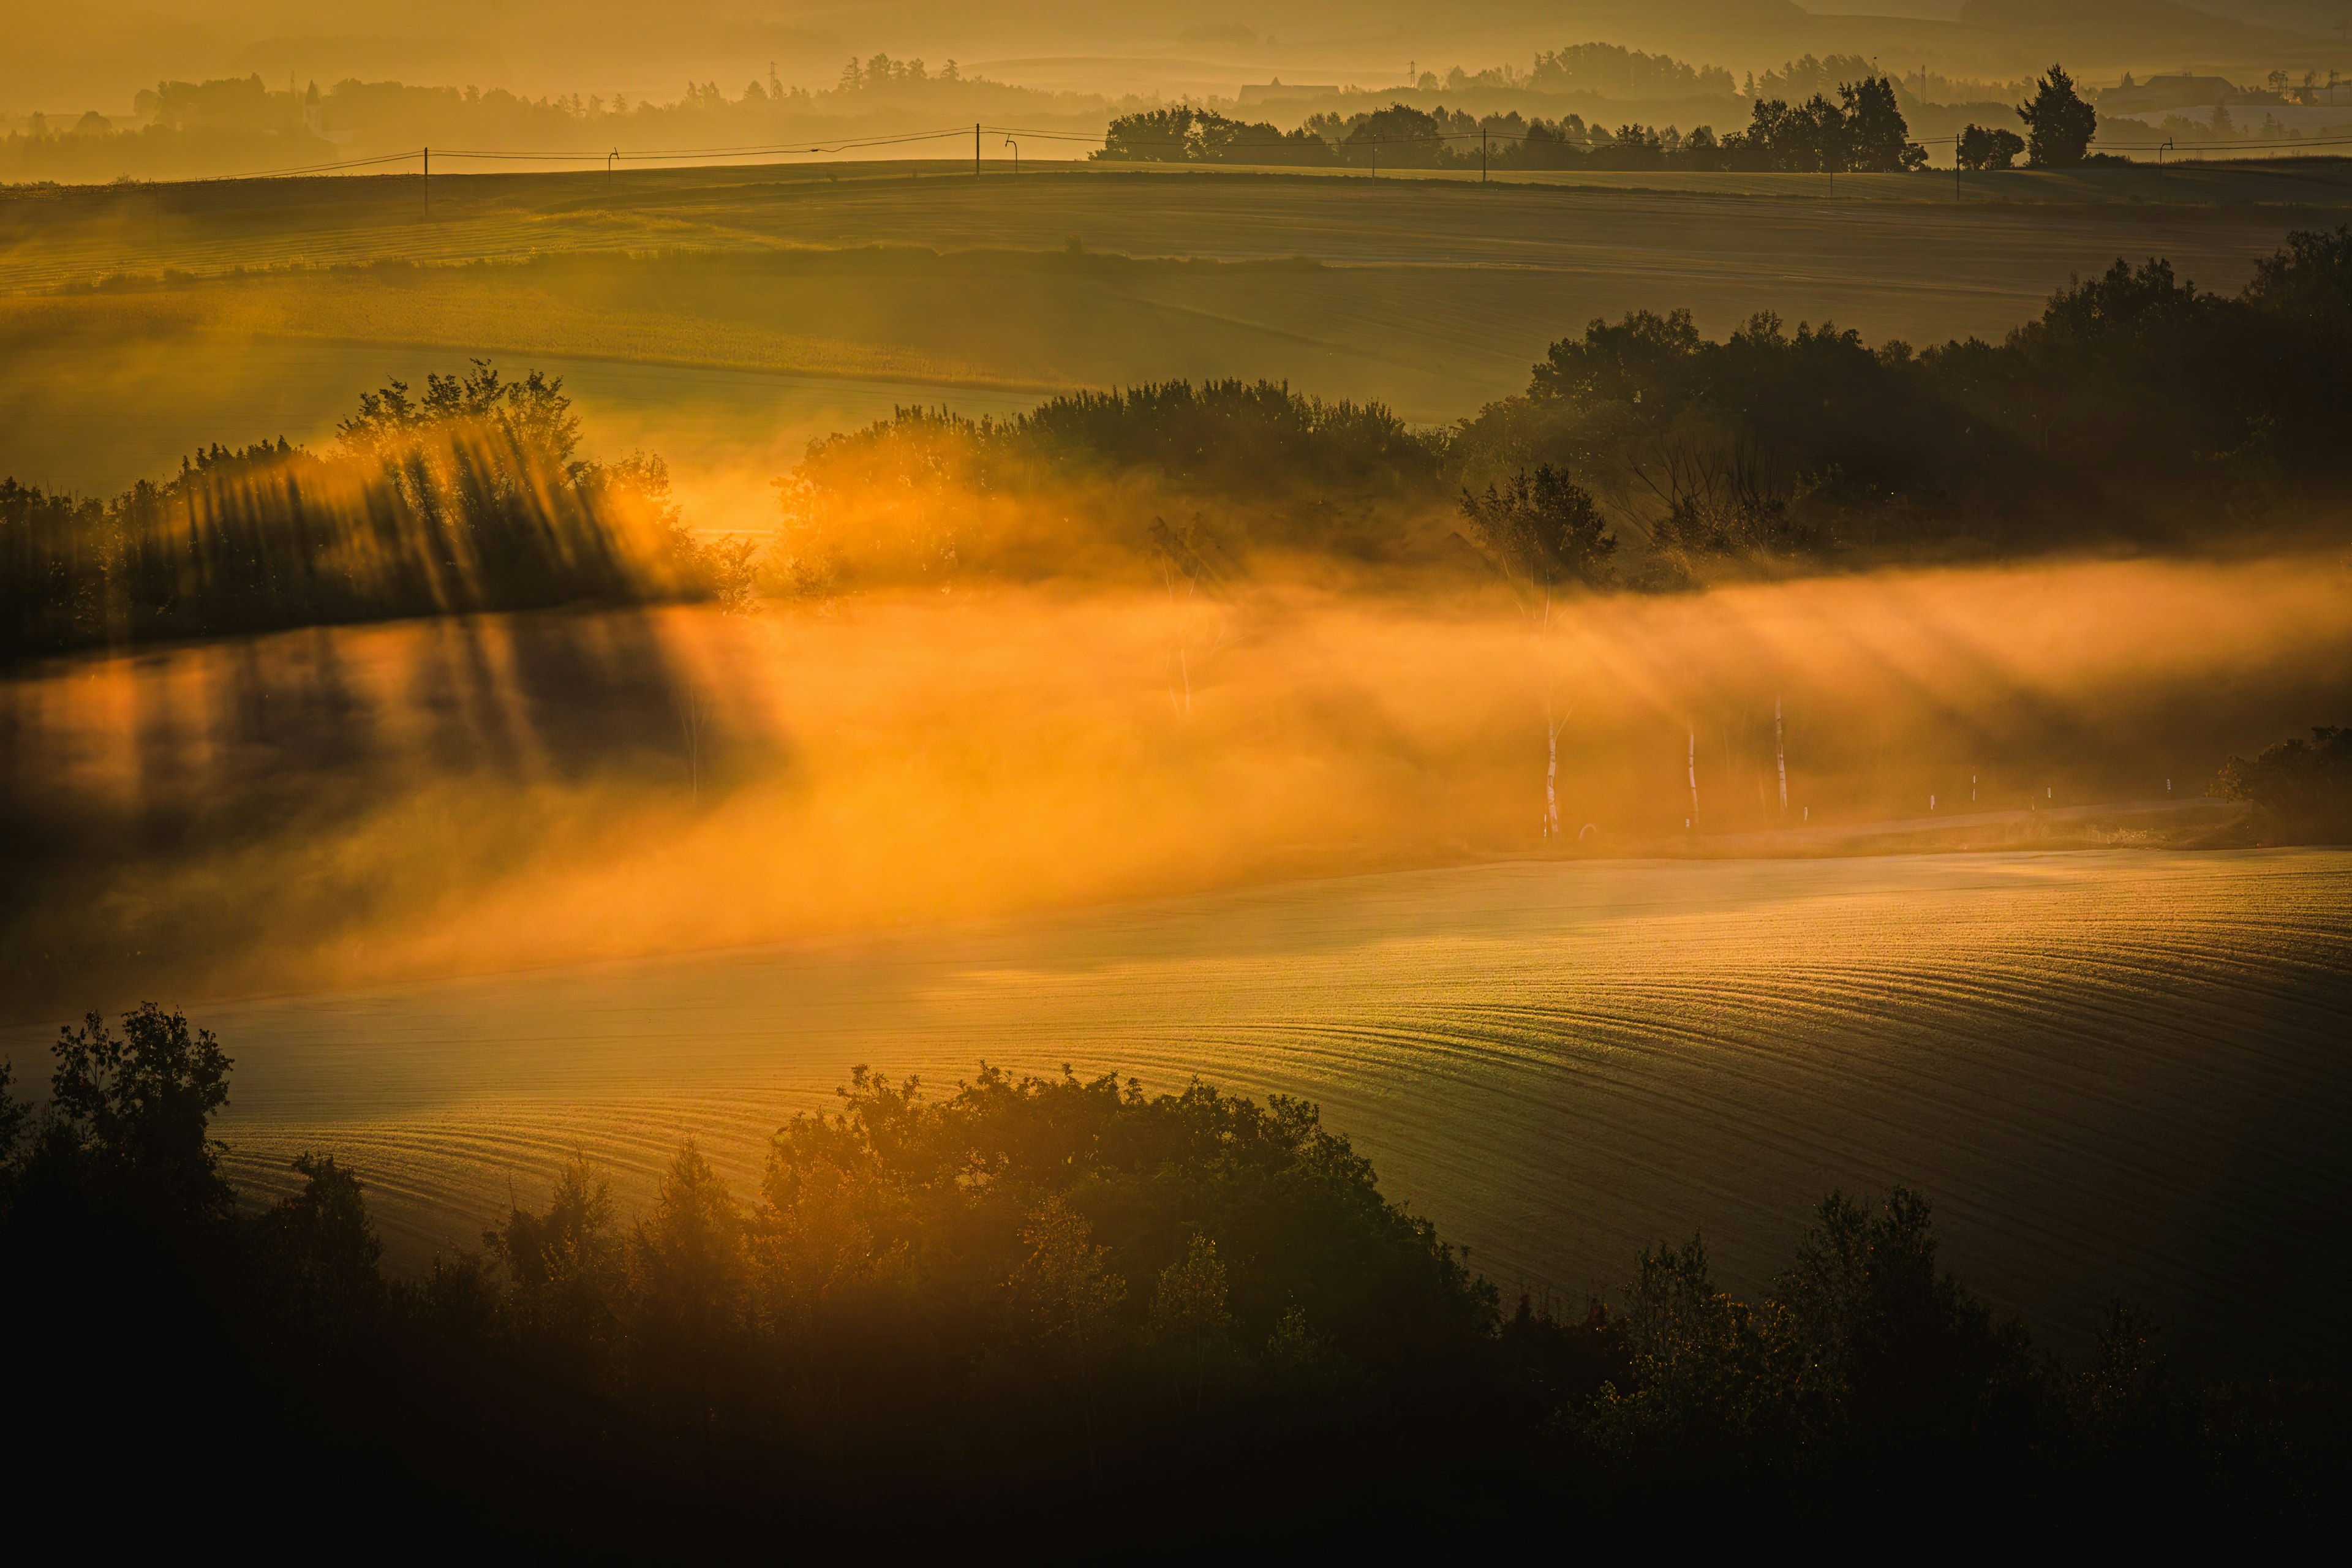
[
  {"x": 1780, "y": 756},
  {"x": 1551, "y": 780},
  {"x": 1693, "y": 821}
]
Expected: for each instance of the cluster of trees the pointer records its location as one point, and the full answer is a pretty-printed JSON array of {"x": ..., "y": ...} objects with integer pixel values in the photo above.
[
  {"x": 2060, "y": 128},
  {"x": 1833, "y": 116},
  {"x": 2136, "y": 405},
  {"x": 2301, "y": 791},
  {"x": 470, "y": 496},
  {"x": 189, "y": 127},
  {"x": 2135, "y": 402},
  {"x": 1187, "y": 135},
  {"x": 927, "y": 494},
  {"x": 1808, "y": 77},
  {"x": 1606, "y": 70},
  {"x": 930, "y": 1305},
  {"x": 1863, "y": 131}
]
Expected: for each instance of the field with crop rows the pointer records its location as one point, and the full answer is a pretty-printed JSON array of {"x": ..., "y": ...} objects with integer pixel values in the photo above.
[
  {"x": 1430, "y": 295},
  {"x": 2115, "y": 1073}
]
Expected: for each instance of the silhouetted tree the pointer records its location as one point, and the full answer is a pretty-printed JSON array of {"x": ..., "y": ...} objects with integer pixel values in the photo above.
[
  {"x": 135, "y": 1109},
  {"x": 1979, "y": 148},
  {"x": 1878, "y": 138},
  {"x": 564, "y": 1266},
  {"x": 321, "y": 1251},
  {"x": 1189, "y": 1319},
  {"x": 2301, "y": 790},
  {"x": 2058, "y": 125},
  {"x": 1543, "y": 529}
]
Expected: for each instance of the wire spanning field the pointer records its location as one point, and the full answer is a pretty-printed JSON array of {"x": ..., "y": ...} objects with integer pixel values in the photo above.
[{"x": 2115, "y": 1073}]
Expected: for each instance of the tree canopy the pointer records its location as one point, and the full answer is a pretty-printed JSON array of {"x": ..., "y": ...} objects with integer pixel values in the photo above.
[
  {"x": 2058, "y": 126},
  {"x": 930, "y": 1304}
]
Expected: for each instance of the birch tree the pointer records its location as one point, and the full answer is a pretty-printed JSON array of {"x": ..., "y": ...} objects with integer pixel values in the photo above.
[
  {"x": 1185, "y": 555},
  {"x": 1543, "y": 532}
]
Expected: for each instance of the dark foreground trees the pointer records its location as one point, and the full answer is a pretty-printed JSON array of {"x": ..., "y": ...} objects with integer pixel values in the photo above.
[{"x": 1002, "y": 1322}]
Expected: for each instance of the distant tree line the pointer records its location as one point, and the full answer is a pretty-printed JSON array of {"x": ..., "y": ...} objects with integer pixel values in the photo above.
[
  {"x": 470, "y": 496},
  {"x": 240, "y": 125},
  {"x": 996, "y": 1318},
  {"x": 1593, "y": 70},
  {"x": 1610, "y": 71},
  {"x": 1864, "y": 131},
  {"x": 1183, "y": 134}
]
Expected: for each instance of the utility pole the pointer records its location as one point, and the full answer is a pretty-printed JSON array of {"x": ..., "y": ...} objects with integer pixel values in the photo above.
[
  {"x": 975, "y": 149},
  {"x": 1482, "y": 154},
  {"x": 428, "y": 182}
]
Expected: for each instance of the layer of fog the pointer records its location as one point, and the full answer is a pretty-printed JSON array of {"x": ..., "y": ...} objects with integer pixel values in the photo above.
[{"x": 362, "y": 803}]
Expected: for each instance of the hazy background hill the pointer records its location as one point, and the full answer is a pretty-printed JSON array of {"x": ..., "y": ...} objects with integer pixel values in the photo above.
[{"x": 98, "y": 56}]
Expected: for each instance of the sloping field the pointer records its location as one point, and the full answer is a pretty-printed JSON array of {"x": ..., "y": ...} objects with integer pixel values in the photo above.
[
  {"x": 1429, "y": 296},
  {"x": 51, "y": 237},
  {"x": 2115, "y": 1073}
]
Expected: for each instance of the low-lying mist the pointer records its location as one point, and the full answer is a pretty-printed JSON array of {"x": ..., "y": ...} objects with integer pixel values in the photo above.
[{"x": 329, "y": 806}]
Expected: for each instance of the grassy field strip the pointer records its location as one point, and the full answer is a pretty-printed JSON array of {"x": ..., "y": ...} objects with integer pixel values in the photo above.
[
  {"x": 2115, "y": 1072},
  {"x": 94, "y": 422},
  {"x": 213, "y": 228},
  {"x": 109, "y": 388}
]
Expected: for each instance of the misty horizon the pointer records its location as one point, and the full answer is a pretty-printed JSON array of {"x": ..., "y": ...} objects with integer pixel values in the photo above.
[{"x": 866, "y": 777}]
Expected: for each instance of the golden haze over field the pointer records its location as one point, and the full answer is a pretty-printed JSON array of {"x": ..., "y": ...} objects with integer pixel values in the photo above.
[
  {"x": 1594, "y": 769},
  {"x": 449, "y": 805}
]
